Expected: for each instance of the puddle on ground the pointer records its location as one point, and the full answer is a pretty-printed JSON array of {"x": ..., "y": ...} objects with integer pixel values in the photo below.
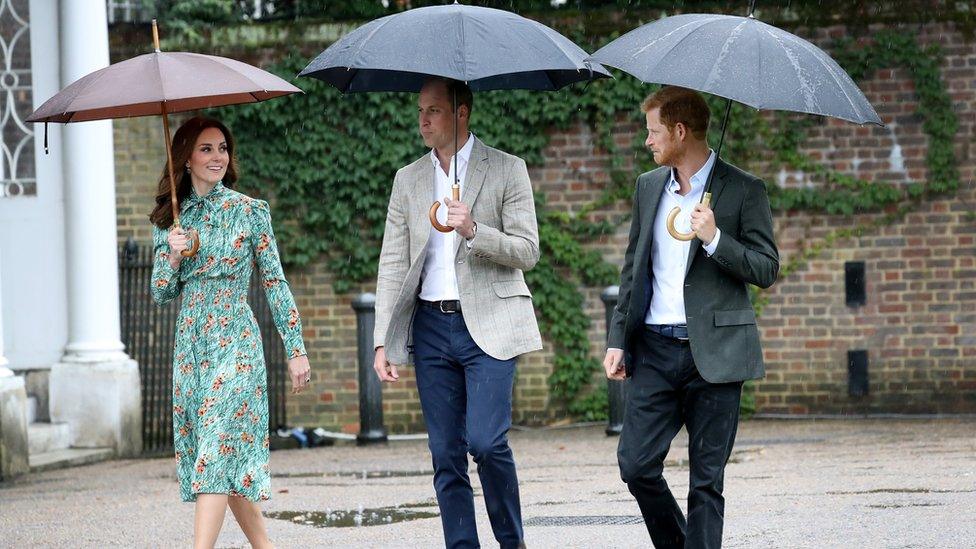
[
  {"x": 773, "y": 441},
  {"x": 352, "y": 519},
  {"x": 902, "y": 505},
  {"x": 357, "y": 474},
  {"x": 902, "y": 491}
]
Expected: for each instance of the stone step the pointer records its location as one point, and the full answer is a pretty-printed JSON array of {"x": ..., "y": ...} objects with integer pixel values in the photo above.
[
  {"x": 59, "y": 459},
  {"x": 31, "y": 410},
  {"x": 47, "y": 437}
]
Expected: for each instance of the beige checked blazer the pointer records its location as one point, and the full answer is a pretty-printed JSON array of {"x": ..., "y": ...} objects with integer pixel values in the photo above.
[{"x": 495, "y": 302}]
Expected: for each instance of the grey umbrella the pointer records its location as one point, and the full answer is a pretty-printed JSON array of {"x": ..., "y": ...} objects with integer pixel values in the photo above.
[
  {"x": 741, "y": 59},
  {"x": 486, "y": 48}
]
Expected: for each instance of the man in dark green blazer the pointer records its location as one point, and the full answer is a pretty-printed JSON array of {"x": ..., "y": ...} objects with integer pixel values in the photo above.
[{"x": 684, "y": 329}]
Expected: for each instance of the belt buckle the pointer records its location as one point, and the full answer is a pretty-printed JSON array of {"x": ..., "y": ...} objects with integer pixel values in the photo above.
[{"x": 440, "y": 305}]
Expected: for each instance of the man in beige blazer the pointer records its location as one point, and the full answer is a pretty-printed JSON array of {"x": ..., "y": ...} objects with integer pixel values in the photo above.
[{"x": 459, "y": 302}]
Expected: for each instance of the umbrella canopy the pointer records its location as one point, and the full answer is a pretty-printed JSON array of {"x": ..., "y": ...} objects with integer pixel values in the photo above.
[
  {"x": 742, "y": 59},
  {"x": 488, "y": 49},
  {"x": 158, "y": 83}
]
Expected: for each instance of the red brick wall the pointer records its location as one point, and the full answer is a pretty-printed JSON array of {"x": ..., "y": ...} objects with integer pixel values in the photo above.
[{"x": 918, "y": 326}]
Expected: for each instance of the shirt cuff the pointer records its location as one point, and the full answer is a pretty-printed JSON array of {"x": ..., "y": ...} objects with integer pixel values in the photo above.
[
  {"x": 165, "y": 269},
  {"x": 713, "y": 245},
  {"x": 613, "y": 349},
  {"x": 470, "y": 243}
]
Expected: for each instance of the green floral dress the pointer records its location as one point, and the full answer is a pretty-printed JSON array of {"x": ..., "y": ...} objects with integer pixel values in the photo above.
[{"x": 220, "y": 401}]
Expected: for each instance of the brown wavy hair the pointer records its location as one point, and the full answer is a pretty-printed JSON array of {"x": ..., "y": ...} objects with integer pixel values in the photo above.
[{"x": 183, "y": 143}]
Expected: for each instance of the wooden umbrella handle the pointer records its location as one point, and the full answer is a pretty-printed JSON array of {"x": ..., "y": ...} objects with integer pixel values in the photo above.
[
  {"x": 684, "y": 237},
  {"x": 456, "y": 195},
  {"x": 194, "y": 237}
]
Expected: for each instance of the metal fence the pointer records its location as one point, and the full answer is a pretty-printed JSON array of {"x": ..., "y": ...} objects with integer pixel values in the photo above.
[{"x": 148, "y": 333}]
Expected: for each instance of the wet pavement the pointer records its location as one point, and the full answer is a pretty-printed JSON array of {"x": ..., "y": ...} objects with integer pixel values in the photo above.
[{"x": 827, "y": 483}]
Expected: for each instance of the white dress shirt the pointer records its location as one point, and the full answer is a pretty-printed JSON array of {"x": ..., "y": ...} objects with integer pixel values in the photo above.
[
  {"x": 439, "y": 280},
  {"x": 669, "y": 256}
]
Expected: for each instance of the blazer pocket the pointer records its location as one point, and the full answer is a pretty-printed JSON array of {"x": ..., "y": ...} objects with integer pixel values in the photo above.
[
  {"x": 737, "y": 317},
  {"x": 511, "y": 288}
]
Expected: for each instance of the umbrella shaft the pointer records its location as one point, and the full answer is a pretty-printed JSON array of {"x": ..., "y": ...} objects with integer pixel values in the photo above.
[
  {"x": 718, "y": 151},
  {"x": 169, "y": 168}
]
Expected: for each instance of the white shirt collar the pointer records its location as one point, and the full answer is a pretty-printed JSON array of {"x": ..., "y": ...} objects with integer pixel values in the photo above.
[
  {"x": 463, "y": 155},
  {"x": 698, "y": 180}
]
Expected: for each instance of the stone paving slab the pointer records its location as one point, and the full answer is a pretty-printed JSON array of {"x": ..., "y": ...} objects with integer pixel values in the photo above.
[{"x": 816, "y": 484}]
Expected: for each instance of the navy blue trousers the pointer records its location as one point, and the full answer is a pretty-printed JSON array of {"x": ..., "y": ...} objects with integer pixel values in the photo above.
[{"x": 466, "y": 397}]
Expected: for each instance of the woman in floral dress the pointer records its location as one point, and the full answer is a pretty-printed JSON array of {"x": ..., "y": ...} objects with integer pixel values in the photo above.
[{"x": 220, "y": 402}]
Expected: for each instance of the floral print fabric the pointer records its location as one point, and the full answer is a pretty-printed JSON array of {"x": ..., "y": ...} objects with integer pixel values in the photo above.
[{"x": 220, "y": 402}]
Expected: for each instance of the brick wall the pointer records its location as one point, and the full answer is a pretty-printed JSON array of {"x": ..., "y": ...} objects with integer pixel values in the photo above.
[{"x": 918, "y": 326}]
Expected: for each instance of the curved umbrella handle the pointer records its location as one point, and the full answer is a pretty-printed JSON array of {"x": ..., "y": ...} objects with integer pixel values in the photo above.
[
  {"x": 684, "y": 237},
  {"x": 194, "y": 237},
  {"x": 456, "y": 195}
]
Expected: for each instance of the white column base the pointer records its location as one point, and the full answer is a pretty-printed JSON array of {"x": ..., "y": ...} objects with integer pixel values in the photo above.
[
  {"x": 13, "y": 425},
  {"x": 100, "y": 402}
]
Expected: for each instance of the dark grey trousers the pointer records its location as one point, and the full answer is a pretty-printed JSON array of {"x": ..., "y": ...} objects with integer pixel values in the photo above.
[{"x": 664, "y": 393}]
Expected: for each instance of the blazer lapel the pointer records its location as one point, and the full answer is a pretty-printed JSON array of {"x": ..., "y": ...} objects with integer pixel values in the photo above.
[
  {"x": 424, "y": 186},
  {"x": 651, "y": 201},
  {"x": 718, "y": 185},
  {"x": 474, "y": 179}
]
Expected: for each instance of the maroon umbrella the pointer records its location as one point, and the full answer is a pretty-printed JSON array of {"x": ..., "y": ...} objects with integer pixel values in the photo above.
[{"x": 159, "y": 83}]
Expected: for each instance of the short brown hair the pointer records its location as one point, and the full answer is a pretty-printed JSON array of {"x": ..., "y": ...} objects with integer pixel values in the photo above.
[
  {"x": 680, "y": 105},
  {"x": 463, "y": 93}
]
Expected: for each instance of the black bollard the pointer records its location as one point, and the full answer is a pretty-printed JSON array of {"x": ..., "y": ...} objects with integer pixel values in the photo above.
[
  {"x": 371, "y": 430},
  {"x": 615, "y": 389}
]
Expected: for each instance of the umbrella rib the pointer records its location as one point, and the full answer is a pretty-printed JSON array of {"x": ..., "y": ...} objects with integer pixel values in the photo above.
[
  {"x": 362, "y": 43},
  {"x": 559, "y": 46},
  {"x": 715, "y": 73},
  {"x": 809, "y": 97},
  {"x": 242, "y": 75},
  {"x": 671, "y": 49},
  {"x": 673, "y": 31},
  {"x": 833, "y": 74},
  {"x": 86, "y": 87}
]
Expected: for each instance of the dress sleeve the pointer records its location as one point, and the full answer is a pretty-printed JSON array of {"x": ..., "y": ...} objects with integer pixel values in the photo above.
[
  {"x": 282, "y": 303},
  {"x": 165, "y": 283}
]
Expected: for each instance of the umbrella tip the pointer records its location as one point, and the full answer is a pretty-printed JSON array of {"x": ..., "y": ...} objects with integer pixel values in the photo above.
[{"x": 155, "y": 33}]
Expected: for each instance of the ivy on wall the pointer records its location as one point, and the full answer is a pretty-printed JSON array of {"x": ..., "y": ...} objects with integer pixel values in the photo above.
[{"x": 327, "y": 161}]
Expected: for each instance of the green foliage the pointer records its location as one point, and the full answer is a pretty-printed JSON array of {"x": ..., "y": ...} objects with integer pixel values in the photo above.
[{"x": 328, "y": 161}]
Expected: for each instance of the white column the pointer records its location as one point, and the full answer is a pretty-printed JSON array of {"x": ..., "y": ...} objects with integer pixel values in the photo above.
[
  {"x": 3, "y": 360},
  {"x": 95, "y": 389},
  {"x": 89, "y": 172}
]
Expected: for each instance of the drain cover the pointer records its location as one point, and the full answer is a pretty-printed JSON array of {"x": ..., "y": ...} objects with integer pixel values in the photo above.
[{"x": 595, "y": 520}]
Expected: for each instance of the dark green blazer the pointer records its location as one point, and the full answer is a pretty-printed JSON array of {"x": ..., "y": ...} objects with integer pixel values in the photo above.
[{"x": 721, "y": 321}]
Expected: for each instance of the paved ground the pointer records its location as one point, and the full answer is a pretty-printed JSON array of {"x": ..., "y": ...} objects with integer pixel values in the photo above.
[{"x": 858, "y": 483}]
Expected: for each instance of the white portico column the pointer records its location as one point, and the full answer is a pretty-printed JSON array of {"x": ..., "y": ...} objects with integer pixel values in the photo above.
[
  {"x": 95, "y": 388},
  {"x": 13, "y": 418}
]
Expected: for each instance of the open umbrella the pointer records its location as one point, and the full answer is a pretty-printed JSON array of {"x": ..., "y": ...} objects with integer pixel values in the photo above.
[
  {"x": 160, "y": 83},
  {"x": 741, "y": 59},
  {"x": 486, "y": 48}
]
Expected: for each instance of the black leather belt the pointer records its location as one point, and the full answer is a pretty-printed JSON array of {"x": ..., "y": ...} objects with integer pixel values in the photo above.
[
  {"x": 448, "y": 306},
  {"x": 674, "y": 331}
]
